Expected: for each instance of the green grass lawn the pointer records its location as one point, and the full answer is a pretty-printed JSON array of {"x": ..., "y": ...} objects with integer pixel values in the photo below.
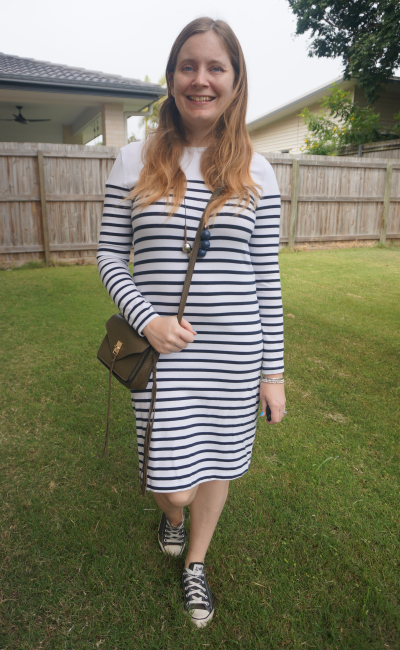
[{"x": 307, "y": 550}]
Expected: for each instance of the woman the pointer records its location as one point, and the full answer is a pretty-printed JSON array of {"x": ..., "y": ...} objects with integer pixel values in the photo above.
[{"x": 208, "y": 374}]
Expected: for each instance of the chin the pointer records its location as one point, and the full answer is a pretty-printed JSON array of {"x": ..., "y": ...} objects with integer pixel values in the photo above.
[
  {"x": 207, "y": 116},
  {"x": 203, "y": 123}
]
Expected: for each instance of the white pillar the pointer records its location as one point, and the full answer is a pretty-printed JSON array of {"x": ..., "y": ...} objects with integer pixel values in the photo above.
[{"x": 112, "y": 117}]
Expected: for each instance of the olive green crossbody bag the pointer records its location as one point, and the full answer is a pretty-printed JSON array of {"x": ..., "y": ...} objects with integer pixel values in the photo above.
[{"x": 131, "y": 358}]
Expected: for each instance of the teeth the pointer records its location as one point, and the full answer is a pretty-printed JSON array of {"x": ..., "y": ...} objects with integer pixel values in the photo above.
[{"x": 201, "y": 99}]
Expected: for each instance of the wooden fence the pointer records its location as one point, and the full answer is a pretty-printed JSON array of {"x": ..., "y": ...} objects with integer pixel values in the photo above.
[
  {"x": 335, "y": 199},
  {"x": 51, "y": 200},
  {"x": 383, "y": 149}
]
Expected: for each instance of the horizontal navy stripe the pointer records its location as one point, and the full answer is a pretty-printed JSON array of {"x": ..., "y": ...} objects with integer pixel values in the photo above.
[
  {"x": 195, "y": 473},
  {"x": 211, "y": 438}
]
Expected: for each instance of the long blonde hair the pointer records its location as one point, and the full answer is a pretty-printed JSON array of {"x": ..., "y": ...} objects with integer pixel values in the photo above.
[{"x": 226, "y": 162}]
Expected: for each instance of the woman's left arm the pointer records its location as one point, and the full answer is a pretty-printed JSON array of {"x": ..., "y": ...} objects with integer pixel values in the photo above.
[{"x": 264, "y": 249}]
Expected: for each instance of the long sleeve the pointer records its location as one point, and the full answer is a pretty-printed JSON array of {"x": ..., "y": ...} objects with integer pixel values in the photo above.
[
  {"x": 264, "y": 248},
  {"x": 115, "y": 243}
]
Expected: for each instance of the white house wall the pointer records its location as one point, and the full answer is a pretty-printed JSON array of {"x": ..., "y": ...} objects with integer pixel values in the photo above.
[{"x": 288, "y": 133}]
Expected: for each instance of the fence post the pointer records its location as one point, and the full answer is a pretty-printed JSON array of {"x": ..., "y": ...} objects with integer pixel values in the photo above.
[
  {"x": 386, "y": 201},
  {"x": 293, "y": 201},
  {"x": 43, "y": 203}
]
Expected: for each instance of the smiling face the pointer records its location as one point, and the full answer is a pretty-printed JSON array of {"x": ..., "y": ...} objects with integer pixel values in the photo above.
[{"x": 202, "y": 84}]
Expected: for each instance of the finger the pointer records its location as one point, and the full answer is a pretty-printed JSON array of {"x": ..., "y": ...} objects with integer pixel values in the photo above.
[
  {"x": 263, "y": 401},
  {"x": 187, "y": 326},
  {"x": 276, "y": 415},
  {"x": 185, "y": 337},
  {"x": 171, "y": 347}
]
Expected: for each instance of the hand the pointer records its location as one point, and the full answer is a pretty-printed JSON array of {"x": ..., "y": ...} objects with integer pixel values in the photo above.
[
  {"x": 166, "y": 335},
  {"x": 274, "y": 396}
]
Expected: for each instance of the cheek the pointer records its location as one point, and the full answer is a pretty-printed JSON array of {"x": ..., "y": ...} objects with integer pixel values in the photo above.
[
  {"x": 177, "y": 86},
  {"x": 180, "y": 90},
  {"x": 227, "y": 93},
  {"x": 227, "y": 89}
]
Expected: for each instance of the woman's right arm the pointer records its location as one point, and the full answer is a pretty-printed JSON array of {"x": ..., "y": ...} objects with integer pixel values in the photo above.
[
  {"x": 115, "y": 243},
  {"x": 113, "y": 252}
]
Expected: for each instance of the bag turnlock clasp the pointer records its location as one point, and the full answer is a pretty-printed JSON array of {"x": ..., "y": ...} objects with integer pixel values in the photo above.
[{"x": 117, "y": 348}]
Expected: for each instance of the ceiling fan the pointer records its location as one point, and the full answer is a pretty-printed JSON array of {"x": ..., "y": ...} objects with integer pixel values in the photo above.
[{"x": 21, "y": 119}]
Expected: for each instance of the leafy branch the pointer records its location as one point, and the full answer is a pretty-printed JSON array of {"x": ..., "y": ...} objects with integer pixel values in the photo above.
[{"x": 343, "y": 123}]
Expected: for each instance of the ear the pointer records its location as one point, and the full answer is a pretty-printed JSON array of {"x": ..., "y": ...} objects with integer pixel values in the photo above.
[{"x": 171, "y": 83}]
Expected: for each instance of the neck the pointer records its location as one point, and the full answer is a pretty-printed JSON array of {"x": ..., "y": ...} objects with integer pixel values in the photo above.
[{"x": 199, "y": 138}]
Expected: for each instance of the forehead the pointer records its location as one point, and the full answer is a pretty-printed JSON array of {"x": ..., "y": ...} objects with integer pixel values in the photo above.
[{"x": 204, "y": 47}]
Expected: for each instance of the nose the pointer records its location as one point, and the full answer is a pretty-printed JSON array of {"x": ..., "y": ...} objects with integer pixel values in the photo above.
[{"x": 201, "y": 79}]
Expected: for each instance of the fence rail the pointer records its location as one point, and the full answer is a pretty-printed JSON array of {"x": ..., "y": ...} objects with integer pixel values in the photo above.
[{"x": 51, "y": 199}]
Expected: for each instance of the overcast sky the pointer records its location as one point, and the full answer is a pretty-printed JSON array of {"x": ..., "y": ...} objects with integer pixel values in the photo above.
[{"x": 133, "y": 39}]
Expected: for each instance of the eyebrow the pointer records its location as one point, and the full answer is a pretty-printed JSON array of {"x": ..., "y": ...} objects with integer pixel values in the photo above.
[{"x": 213, "y": 62}]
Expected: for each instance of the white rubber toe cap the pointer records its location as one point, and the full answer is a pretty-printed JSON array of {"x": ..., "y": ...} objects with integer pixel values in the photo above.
[
  {"x": 172, "y": 549},
  {"x": 200, "y": 617}
]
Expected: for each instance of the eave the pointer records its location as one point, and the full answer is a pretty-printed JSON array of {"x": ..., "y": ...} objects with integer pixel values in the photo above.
[{"x": 104, "y": 89}]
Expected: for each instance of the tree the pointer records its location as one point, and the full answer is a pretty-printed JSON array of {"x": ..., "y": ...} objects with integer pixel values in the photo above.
[
  {"x": 365, "y": 33},
  {"x": 151, "y": 121},
  {"x": 351, "y": 124}
]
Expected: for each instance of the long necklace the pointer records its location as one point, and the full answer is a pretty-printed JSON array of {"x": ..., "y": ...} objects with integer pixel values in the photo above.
[
  {"x": 186, "y": 246},
  {"x": 205, "y": 240}
]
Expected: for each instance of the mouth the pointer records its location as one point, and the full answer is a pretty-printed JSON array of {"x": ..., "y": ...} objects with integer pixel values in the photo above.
[{"x": 200, "y": 98}]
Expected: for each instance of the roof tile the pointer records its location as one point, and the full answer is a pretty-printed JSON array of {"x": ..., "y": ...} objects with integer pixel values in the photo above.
[{"x": 15, "y": 67}]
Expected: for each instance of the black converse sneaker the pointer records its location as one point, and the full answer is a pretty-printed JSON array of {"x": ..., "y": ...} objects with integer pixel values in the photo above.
[
  {"x": 198, "y": 599},
  {"x": 172, "y": 539}
]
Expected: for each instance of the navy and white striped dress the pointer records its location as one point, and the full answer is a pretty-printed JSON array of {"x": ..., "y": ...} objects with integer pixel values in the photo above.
[{"x": 208, "y": 394}]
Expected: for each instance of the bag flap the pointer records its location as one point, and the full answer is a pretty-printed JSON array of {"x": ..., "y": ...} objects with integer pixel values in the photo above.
[
  {"x": 134, "y": 367},
  {"x": 118, "y": 329}
]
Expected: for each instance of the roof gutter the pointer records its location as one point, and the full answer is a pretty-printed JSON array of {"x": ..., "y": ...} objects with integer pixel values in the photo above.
[{"x": 109, "y": 89}]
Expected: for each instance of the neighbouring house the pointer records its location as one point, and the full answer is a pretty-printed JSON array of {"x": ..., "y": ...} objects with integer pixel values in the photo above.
[
  {"x": 51, "y": 103},
  {"x": 283, "y": 130}
]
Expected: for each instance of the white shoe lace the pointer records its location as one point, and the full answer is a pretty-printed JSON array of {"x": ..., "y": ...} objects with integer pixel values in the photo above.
[
  {"x": 195, "y": 590},
  {"x": 174, "y": 534}
]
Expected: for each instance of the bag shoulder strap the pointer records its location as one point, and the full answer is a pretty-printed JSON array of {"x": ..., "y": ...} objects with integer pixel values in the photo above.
[{"x": 193, "y": 255}]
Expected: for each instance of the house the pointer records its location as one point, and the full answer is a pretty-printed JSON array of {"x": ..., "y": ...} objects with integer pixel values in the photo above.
[
  {"x": 283, "y": 130},
  {"x": 51, "y": 103}
]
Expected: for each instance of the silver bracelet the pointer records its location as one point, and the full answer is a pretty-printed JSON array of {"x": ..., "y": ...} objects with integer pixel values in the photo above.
[{"x": 273, "y": 380}]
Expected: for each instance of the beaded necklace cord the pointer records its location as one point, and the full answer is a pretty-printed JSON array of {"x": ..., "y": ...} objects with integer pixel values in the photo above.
[{"x": 205, "y": 240}]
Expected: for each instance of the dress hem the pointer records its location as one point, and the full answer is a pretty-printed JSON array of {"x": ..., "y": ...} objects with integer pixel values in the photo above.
[{"x": 196, "y": 483}]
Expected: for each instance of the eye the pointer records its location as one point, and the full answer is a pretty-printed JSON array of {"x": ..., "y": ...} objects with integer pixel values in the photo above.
[
  {"x": 217, "y": 68},
  {"x": 187, "y": 68}
]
